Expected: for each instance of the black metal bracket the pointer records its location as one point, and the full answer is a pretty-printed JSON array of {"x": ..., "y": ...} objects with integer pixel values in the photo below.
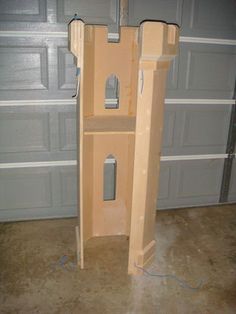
[{"x": 230, "y": 150}]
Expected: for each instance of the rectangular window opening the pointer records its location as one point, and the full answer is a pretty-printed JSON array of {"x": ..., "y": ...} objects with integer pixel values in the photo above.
[{"x": 109, "y": 184}]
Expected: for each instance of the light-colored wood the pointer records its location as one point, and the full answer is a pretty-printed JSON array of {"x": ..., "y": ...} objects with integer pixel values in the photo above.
[
  {"x": 130, "y": 133},
  {"x": 106, "y": 217},
  {"x": 76, "y": 40},
  {"x": 78, "y": 250},
  {"x": 102, "y": 131},
  {"x": 129, "y": 177},
  {"x": 119, "y": 59},
  {"x": 76, "y": 45},
  {"x": 110, "y": 216},
  {"x": 154, "y": 62},
  {"x": 86, "y": 190},
  {"x": 109, "y": 125}
]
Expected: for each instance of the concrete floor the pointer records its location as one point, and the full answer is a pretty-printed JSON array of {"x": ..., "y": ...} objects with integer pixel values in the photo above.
[{"x": 193, "y": 244}]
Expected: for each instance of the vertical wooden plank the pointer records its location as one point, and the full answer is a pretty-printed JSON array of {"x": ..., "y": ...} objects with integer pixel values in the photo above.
[
  {"x": 87, "y": 188},
  {"x": 78, "y": 250},
  {"x": 76, "y": 46},
  {"x": 157, "y": 46},
  {"x": 80, "y": 56}
]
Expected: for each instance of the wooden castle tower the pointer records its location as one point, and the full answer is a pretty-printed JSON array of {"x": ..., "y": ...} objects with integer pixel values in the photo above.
[{"x": 130, "y": 131}]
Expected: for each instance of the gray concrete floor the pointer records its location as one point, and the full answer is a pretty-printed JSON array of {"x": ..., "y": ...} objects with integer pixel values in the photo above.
[{"x": 194, "y": 244}]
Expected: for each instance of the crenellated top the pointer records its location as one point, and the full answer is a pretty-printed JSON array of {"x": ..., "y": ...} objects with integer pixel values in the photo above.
[
  {"x": 150, "y": 44},
  {"x": 158, "y": 41}
]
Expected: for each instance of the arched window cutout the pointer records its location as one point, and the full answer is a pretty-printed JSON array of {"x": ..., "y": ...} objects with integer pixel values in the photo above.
[
  {"x": 112, "y": 91},
  {"x": 109, "y": 178}
]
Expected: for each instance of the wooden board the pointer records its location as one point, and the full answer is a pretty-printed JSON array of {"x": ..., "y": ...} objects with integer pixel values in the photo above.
[
  {"x": 154, "y": 62},
  {"x": 109, "y": 125},
  {"x": 76, "y": 46},
  {"x": 110, "y": 217}
]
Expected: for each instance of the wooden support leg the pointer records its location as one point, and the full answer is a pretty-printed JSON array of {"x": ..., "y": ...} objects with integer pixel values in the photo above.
[{"x": 80, "y": 257}]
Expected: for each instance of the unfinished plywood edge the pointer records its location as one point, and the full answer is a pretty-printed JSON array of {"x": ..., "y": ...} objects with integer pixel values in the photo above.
[
  {"x": 78, "y": 248},
  {"x": 76, "y": 46},
  {"x": 147, "y": 254},
  {"x": 144, "y": 258},
  {"x": 158, "y": 45},
  {"x": 76, "y": 40},
  {"x": 80, "y": 63}
]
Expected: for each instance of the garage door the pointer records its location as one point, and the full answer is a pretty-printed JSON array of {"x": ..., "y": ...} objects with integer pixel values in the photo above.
[{"x": 37, "y": 112}]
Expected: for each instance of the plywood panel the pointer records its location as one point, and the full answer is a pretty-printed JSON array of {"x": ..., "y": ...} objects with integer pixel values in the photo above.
[
  {"x": 153, "y": 67},
  {"x": 110, "y": 216},
  {"x": 122, "y": 58},
  {"x": 108, "y": 132},
  {"x": 146, "y": 169}
]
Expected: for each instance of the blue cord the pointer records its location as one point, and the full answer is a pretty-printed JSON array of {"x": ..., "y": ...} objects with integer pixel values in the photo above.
[
  {"x": 64, "y": 263},
  {"x": 64, "y": 259},
  {"x": 182, "y": 283}
]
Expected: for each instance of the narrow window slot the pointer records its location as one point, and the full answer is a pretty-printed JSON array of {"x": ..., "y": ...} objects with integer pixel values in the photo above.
[
  {"x": 109, "y": 177},
  {"x": 112, "y": 90}
]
